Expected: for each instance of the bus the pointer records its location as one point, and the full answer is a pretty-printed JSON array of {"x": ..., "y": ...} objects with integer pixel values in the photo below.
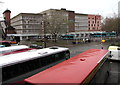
[
  {"x": 8, "y": 43},
  {"x": 1, "y": 46},
  {"x": 21, "y": 65},
  {"x": 89, "y": 67},
  {"x": 5, "y": 50},
  {"x": 103, "y": 34},
  {"x": 68, "y": 37}
]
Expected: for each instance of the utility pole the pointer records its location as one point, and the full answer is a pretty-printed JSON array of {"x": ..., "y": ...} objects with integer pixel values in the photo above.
[{"x": 44, "y": 33}]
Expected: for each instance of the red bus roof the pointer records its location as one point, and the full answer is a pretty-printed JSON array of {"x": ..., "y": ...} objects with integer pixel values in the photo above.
[
  {"x": 73, "y": 70},
  {"x": 6, "y": 41}
]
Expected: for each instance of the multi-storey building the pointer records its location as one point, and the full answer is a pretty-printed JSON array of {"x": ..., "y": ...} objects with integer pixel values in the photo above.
[
  {"x": 27, "y": 23},
  {"x": 30, "y": 23},
  {"x": 80, "y": 22}
]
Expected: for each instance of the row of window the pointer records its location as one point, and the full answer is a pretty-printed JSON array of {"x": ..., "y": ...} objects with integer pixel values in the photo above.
[
  {"x": 31, "y": 31},
  {"x": 31, "y": 21},
  {"x": 93, "y": 18},
  {"x": 93, "y": 28},
  {"x": 94, "y": 22},
  {"x": 93, "y": 25},
  {"x": 32, "y": 26},
  {"x": 86, "y": 24},
  {"x": 31, "y": 17}
]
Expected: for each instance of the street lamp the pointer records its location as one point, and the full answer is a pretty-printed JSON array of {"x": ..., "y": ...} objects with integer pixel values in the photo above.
[{"x": 44, "y": 34}]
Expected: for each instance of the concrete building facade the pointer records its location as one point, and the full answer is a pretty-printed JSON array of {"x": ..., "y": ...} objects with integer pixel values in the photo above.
[
  {"x": 81, "y": 22},
  {"x": 27, "y": 23}
]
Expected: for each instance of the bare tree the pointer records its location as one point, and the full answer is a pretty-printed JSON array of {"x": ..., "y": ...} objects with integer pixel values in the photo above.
[
  {"x": 111, "y": 24},
  {"x": 56, "y": 23}
]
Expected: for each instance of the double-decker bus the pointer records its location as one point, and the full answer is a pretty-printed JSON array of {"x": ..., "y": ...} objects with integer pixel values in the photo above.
[
  {"x": 21, "y": 65},
  {"x": 89, "y": 67},
  {"x": 9, "y": 49}
]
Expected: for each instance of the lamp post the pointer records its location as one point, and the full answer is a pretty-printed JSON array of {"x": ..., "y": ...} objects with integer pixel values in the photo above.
[{"x": 44, "y": 33}]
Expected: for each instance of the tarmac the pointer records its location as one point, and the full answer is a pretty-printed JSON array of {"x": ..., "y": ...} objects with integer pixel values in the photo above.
[{"x": 114, "y": 76}]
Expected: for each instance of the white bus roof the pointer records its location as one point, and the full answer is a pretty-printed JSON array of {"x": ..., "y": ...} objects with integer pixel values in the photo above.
[
  {"x": 13, "y": 48},
  {"x": 29, "y": 55}
]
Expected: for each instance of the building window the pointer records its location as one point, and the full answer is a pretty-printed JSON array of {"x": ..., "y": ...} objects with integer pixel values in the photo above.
[
  {"x": 86, "y": 35},
  {"x": 24, "y": 26}
]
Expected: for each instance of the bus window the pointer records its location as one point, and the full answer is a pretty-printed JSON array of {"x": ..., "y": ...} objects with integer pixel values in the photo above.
[
  {"x": 82, "y": 35},
  {"x": 67, "y": 55}
]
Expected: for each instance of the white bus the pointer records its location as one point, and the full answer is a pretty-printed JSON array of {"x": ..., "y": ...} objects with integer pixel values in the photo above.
[
  {"x": 18, "y": 66},
  {"x": 12, "y": 48}
]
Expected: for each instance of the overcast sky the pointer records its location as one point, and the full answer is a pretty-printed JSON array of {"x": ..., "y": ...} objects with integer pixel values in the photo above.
[{"x": 102, "y": 7}]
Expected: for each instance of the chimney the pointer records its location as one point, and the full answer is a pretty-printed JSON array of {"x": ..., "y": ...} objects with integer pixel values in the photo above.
[
  {"x": 63, "y": 9},
  {"x": 6, "y": 15}
]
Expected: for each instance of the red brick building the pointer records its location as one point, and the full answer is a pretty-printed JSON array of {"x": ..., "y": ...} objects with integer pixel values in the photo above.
[
  {"x": 7, "y": 20},
  {"x": 94, "y": 22},
  {"x": 6, "y": 15}
]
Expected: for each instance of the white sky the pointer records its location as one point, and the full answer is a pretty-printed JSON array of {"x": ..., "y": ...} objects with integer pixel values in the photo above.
[{"x": 102, "y": 7}]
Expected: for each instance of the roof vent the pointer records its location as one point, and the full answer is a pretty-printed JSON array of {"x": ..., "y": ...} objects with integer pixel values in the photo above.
[
  {"x": 82, "y": 59},
  {"x": 63, "y": 9},
  {"x": 43, "y": 53},
  {"x": 53, "y": 48}
]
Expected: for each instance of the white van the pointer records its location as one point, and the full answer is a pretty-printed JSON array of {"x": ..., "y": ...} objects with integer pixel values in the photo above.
[{"x": 115, "y": 52}]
